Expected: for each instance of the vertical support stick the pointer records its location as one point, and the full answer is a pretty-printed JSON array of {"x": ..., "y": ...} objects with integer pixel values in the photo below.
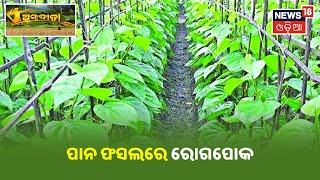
[
  {"x": 89, "y": 27},
  {"x": 101, "y": 12},
  {"x": 306, "y": 58},
  {"x": 221, "y": 9},
  {"x": 137, "y": 5},
  {"x": 265, "y": 21},
  {"x": 48, "y": 64},
  {"x": 111, "y": 13},
  {"x": 5, "y": 41},
  {"x": 280, "y": 83},
  {"x": 86, "y": 41},
  {"x": 118, "y": 8},
  {"x": 84, "y": 29},
  {"x": 30, "y": 66},
  {"x": 289, "y": 38},
  {"x": 253, "y": 6}
]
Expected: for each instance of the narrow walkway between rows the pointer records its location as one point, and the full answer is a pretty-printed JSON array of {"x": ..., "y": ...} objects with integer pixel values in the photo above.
[
  {"x": 181, "y": 113},
  {"x": 180, "y": 85}
]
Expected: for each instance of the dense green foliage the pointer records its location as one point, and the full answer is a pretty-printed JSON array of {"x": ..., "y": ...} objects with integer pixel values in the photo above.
[
  {"x": 247, "y": 89},
  {"x": 120, "y": 84},
  {"x": 237, "y": 83}
]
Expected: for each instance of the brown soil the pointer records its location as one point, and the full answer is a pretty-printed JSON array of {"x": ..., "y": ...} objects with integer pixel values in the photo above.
[{"x": 178, "y": 124}]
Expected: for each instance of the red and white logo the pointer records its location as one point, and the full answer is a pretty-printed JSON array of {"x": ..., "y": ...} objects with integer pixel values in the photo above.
[{"x": 291, "y": 21}]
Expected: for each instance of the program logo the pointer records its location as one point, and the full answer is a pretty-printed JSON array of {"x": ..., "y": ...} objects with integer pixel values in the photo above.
[
  {"x": 40, "y": 20},
  {"x": 291, "y": 21}
]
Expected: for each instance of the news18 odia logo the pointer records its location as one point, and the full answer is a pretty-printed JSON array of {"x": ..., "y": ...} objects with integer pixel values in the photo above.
[{"x": 291, "y": 21}]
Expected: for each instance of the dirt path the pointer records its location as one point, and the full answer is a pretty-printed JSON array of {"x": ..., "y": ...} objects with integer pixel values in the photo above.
[{"x": 180, "y": 118}]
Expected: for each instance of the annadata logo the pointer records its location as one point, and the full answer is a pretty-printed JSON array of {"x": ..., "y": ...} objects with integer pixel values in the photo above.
[
  {"x": 291, "y": 21},
  {"x": 36, "y": 20}
]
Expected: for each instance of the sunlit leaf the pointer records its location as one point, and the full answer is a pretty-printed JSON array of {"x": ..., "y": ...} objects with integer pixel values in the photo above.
[
  {"x": 119, "y": 113},
  {"x": 19, "y": 81}
]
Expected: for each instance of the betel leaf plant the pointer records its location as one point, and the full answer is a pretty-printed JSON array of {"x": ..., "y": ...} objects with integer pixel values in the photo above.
[
  {"x": 299, "y": 132},
  {"x": 242, "y": 94},
  {"x": 116, "y": 83}
]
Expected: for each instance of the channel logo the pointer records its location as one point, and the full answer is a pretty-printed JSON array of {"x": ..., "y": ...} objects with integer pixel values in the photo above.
[
  {"x": 291, "y": 21},
  {"x": 40, "y": 20}
]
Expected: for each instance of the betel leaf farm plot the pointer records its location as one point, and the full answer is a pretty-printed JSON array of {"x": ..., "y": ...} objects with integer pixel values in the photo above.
[{"x": 198, "y": 72}]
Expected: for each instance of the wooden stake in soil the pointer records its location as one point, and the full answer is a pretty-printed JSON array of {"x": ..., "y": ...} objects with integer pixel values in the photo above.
[
  {"x": 7, "y": 82},
  {"x": 280, "y": 83},
  {"x": 86, "y": 43},
  {"x": 31, "y": 72},
  {"x": 264, "y": 24},
  {"x": 101, "y": 8},
  {"x": 306, "y": 58}
]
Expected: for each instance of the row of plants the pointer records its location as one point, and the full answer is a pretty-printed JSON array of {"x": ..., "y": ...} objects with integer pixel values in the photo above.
[
  {"x": 117, "y": 85},
  {"x": 237, "y": 83}
]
